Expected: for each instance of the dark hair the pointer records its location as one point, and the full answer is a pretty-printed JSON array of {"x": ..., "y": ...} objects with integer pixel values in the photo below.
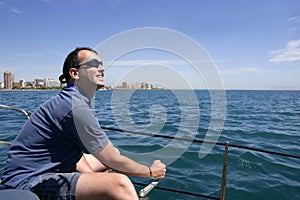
[{"x": 72, "y": 60}]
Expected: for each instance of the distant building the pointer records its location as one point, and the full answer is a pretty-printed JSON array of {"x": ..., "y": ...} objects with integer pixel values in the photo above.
[
  {"x": 39, "y": 83},
  {"x": 8, "y": 79},
  {"x": 50, "y": 83},
  {"x": 132, "y": 86},
  {"x": 135, "y": 86},
  {"x": 145, "y": 86},
  {"x": 22, "y": 83},
  {"x": 138, "y": 86},
  {"x": 125, "y": 85},
  {"x": 15, "y": 85}
]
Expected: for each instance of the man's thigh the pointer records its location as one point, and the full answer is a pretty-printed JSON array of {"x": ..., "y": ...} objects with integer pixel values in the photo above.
[
  {"x": 95, "y": 164},
  {"x": 99, "y": 185}
]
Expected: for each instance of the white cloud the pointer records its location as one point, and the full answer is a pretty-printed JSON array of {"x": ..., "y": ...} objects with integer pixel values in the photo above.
[
  {"x": 294, "y": 19},
  {"x": 290, "y": 53},
  {"x": 294, "y": 22},
  {"x": 10, "y": 8}
]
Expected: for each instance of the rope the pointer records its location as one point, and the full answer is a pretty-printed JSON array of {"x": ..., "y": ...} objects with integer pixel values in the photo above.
[{"x": 203, "y": 141}]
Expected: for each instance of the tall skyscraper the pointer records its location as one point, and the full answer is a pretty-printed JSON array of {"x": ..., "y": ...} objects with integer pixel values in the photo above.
[{"x": 8, "y": 80}]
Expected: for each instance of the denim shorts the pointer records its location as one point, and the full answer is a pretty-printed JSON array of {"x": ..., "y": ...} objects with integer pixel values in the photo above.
[{"x": 60, "y": 186}]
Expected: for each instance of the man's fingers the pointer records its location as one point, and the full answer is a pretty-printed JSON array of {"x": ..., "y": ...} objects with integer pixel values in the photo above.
[{"x": 159, "y": 169}]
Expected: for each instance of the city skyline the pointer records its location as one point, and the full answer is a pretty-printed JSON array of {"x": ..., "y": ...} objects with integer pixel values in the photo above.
[{"x": 9, "y": 83}]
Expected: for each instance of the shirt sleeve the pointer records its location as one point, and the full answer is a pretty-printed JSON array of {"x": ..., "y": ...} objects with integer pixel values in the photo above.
[{"x": 90, "y": 136}]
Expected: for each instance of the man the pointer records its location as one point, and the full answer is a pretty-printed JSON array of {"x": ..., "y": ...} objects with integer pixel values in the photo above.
[{"x": 47, "y": 155}]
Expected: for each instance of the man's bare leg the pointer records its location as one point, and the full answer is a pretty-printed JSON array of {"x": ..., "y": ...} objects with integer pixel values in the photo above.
[
  {"x": 83, "y": 166},
  {"x": 99, "y": 185}
]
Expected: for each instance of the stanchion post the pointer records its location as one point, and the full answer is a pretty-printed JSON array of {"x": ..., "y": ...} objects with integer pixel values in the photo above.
[{"x": 224, "y": 173}]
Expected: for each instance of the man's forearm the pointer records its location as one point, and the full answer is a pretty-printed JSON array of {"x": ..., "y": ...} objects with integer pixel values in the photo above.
[
  {"x": 129, "y": 167},
  {"x": 120, "y": 163}
]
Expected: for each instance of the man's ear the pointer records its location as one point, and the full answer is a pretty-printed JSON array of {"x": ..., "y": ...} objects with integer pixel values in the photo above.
[{"x": 73, "y": 73}]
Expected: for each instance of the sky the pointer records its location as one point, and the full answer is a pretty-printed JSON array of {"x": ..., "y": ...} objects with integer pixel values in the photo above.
[{"x": 250, "y": 44}]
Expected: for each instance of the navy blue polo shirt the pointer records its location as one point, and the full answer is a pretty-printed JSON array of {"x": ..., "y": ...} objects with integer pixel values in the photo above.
[{"x": 55, "y": 137}]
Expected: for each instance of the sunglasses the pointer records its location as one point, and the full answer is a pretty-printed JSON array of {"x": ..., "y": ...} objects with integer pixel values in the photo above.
[{"x": 92, "y": 63}]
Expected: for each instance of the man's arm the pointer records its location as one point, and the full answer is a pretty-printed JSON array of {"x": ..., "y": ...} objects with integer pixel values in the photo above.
[{"x": 110, "y": 158}]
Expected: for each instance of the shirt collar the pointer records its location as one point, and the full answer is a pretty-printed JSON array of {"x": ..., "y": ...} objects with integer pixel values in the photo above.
[{"x": 80, "y": 91}]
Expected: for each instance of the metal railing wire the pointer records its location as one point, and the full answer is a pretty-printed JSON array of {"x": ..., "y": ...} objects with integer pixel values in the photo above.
[
  {"x": 225, "y": 144},
  {"x": 204, "y": 141},
  {"x": 25, "y": 112}
]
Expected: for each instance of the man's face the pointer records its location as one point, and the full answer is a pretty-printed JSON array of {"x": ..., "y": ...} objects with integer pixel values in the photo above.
[{"x": 91, "y": 73}]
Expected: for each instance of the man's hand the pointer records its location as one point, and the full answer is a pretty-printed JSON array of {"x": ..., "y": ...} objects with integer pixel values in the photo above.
[{"x": 158, "y": 170}]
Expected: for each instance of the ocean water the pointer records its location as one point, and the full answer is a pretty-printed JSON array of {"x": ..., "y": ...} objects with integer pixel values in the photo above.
[{"x": 268, "y": 120}]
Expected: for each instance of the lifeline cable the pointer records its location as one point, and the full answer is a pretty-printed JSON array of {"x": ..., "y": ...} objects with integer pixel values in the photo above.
[
  {"x": 203, "y": 141},
  {"x": 26, "y": 113}
]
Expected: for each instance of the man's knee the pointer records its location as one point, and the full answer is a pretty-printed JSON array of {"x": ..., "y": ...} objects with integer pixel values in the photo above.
[
  {"x": 123, "y": 180},
  {"x": 125, "y": 186}
]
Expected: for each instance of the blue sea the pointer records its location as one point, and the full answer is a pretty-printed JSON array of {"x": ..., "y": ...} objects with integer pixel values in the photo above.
[{"x": 268, "y": 120}]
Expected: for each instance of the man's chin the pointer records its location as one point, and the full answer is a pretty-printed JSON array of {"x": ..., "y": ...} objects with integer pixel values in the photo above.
[{"x": 99, "y": 86}]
